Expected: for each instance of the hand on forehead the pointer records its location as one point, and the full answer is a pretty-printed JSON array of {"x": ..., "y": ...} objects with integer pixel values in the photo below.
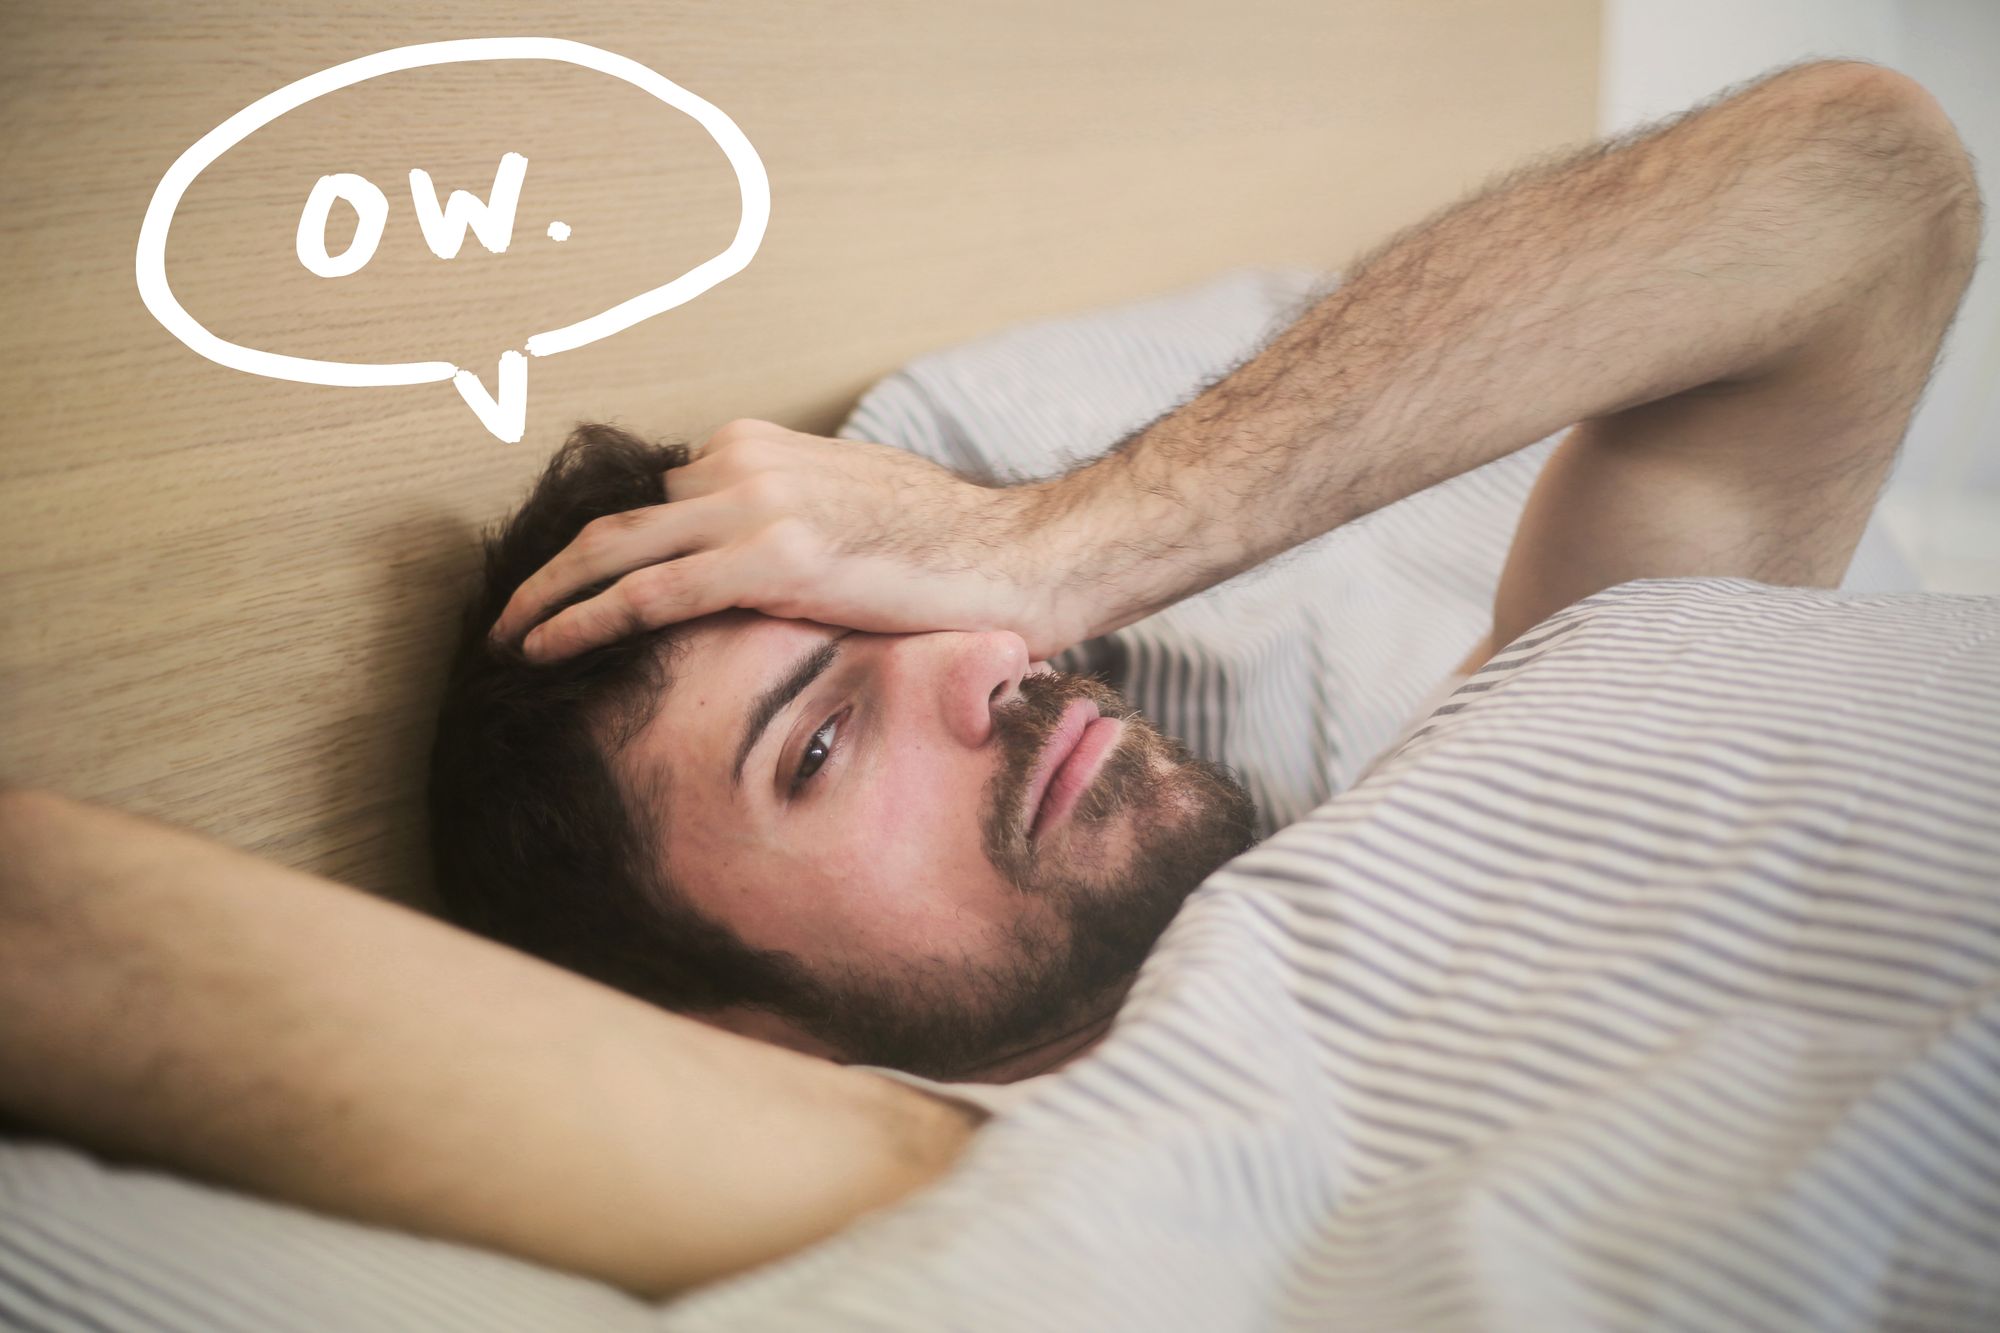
[{"x": 798, "y": 527}]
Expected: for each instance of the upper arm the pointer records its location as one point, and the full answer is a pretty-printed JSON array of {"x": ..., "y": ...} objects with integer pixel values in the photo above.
[
  {"x": 1699, "y": 485},
  {"x": 1770, "y": 475}
]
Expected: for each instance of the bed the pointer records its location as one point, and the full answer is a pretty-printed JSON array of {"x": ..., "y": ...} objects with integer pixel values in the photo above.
[{"x": 1166, "y": 1184}]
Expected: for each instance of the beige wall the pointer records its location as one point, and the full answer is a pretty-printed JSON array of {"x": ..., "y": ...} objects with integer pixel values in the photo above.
[{"x": 223, "y": 598}]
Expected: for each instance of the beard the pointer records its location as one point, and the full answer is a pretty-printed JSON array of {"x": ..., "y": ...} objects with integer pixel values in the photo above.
[{"x": 1156, "y": 821}]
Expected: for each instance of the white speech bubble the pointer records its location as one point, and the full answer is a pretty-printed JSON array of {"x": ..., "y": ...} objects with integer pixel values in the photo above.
[{"x": 505, "y": 417}]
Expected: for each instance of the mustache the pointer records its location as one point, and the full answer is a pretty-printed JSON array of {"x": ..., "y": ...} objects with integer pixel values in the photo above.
[{"x": 1025, "y": 724}]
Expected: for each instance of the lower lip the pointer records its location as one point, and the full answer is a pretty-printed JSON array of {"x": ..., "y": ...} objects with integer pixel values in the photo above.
[{"x": 1077, "y": 773}]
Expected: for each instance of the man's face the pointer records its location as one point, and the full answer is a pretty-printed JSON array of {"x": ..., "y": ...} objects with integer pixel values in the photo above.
[{"x": 881, "y": 831}]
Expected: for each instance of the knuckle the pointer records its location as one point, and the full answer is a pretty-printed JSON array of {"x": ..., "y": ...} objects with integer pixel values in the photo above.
[
  {"x": 732, "y": 436},
  {"x": 765, "y": 490},
  {"x": 592, "y": 538},
  {"x": 650, "y": 595},
  {"x": 627, "y": 520},
  {"x": 790, "y": 546},
  {"x": 746, "y": 445},
  {"x": 598, "y": 540}
]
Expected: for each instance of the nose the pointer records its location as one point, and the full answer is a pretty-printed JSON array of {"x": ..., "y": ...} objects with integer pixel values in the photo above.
[{"x": 981, "y": 671}]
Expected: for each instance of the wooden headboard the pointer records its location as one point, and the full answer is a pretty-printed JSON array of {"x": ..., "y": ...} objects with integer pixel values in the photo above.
[{"x": 225, "y": 599}]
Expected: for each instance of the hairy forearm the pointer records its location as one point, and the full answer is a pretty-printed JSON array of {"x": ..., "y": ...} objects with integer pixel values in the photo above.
[
  {"x": 1714, "y": 251},
  {"x": 173, "y": 1000}
]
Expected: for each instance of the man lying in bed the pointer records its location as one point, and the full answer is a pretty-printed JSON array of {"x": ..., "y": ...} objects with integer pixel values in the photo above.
[
  {"x": 1741, "y": 310},
  {"x": 680, "y": 814}
]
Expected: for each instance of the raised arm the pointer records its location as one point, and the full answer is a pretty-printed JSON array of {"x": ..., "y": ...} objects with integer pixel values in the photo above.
[
  {"x": 1743, "y": 253},
  {"x": 169, "y": 999},
  {"x": 1742, "y": 308}
]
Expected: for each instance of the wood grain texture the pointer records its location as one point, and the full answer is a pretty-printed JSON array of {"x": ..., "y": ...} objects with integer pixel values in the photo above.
[{"x": 224, "y": 599}]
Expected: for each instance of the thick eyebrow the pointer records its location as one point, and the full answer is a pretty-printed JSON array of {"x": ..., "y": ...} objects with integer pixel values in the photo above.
[{"x": 772, "y": 702}]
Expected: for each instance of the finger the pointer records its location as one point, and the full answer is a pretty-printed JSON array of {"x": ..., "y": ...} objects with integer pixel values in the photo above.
[
  {"x": 693, "y": 479},
  {"x": 646, "y": 599},
  {"x": 606, "y": 548}
]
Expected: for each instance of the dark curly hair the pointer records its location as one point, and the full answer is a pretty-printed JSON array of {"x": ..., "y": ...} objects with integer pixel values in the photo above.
[{"x": 534, "y": 841}]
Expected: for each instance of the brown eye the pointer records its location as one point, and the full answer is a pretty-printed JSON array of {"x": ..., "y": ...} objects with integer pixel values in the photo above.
[{"x": 815, "y": 755}]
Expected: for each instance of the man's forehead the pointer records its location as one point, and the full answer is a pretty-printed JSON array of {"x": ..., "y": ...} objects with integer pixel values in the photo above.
[
  {"x": 720, "y": 647},
  {"x": 725, "y": 660}
]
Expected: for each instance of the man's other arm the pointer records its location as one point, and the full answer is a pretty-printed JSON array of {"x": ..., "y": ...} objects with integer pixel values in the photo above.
[
  {"x": 1741, "y": 309},
  {"x": 169, "y": 999}
]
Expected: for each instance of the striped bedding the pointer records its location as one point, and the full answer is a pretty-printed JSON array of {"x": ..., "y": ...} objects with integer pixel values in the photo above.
[
  {"x": 1650, "y": 980},
  {"x": 1654, "y": 982}
]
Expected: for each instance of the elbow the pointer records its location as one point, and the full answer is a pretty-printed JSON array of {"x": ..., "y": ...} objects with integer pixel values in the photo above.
[
  {"x": 21, "y": 808},
  {"x": 26, "y": 818},
  {"x": 1943, "y": 184},
  {"x": 18, "y": 816},
  {"x": 1960, "y": 212},
  {"x": 1904, "y": 136}
]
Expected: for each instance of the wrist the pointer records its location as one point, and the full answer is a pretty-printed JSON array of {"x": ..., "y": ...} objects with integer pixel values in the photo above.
[
  {"x": 1044, "y": 549},
  {"x": 1104, "y": 547}
]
